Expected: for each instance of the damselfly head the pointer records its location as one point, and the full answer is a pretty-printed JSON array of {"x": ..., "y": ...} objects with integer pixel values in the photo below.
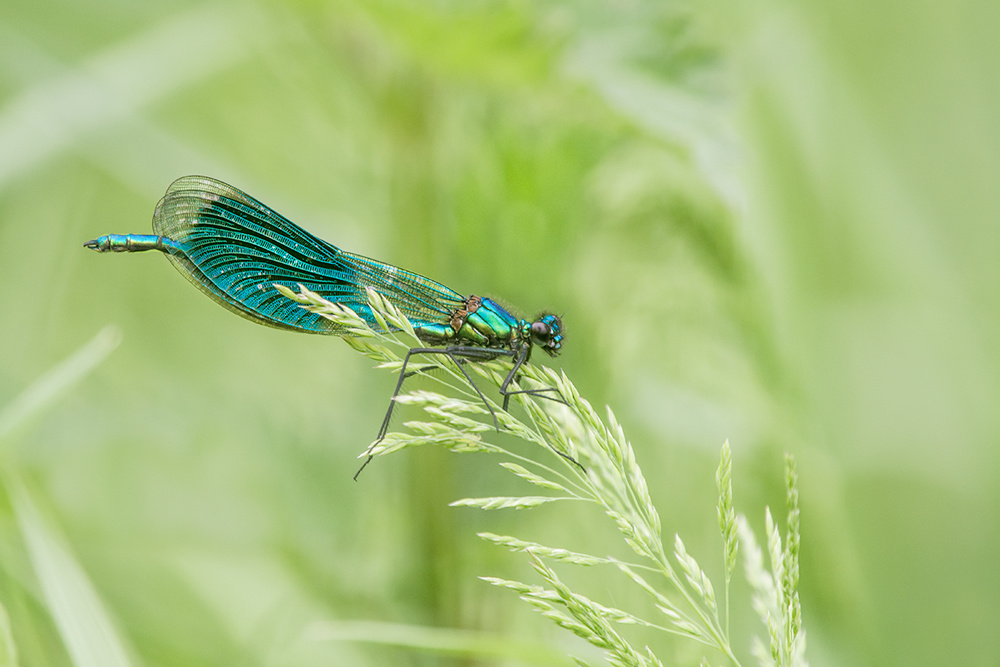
[{"x": 546, "y": 332}]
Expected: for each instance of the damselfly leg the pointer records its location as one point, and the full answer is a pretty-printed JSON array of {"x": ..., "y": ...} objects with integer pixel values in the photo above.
[{"x": 461, "y": 355}]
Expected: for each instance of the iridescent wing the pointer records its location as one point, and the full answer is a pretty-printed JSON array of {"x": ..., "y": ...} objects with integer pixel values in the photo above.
[{"x": 234, "y": 249}]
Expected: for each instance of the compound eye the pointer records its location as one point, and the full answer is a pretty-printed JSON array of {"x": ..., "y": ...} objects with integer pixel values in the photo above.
[
  {"x": 540, "y": 332},
  {"x": 547, "y": 332}
]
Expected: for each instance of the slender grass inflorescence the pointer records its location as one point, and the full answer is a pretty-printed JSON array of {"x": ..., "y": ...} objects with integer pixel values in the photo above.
[
  {"x": 606, "y": 475},
  {"x": 727, "y": 518}
]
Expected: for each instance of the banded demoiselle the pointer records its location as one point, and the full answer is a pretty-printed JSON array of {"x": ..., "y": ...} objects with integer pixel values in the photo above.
[{"x": 236, "y": 249}]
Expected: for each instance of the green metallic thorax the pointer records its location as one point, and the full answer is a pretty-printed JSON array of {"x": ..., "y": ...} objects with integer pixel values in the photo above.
[{"x": 482, "y": 323}]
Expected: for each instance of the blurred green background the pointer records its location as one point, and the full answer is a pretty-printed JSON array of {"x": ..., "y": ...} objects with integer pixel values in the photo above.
[{"x": 769, "y": 222}]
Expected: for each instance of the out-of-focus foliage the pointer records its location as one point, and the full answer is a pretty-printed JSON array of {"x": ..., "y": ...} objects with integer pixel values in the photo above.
[{"x": 769, "y": 223}]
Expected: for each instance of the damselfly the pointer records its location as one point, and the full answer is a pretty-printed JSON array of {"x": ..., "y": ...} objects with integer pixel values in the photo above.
[{"x": 235, "y": 249}]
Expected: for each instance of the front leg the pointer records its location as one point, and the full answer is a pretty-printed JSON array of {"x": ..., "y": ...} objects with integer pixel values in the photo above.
[{"x": 520, "y": 359}]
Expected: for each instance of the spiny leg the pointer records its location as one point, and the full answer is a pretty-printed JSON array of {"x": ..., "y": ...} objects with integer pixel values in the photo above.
[
  {"x": 540, "y": 393},
  {"x": 460, "y": 355},
  {"x": 466, "y": 353},
  {"x": 522, "y": 357}
]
